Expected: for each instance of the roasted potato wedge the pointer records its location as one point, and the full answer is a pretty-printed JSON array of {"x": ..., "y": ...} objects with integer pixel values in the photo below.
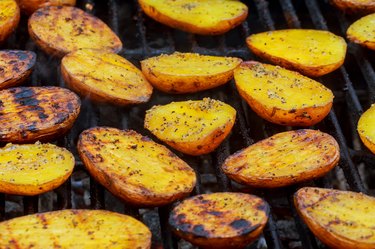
[
  {"x": 363, "y": 31},
  {"x": 204, "y": 17},
  {"x": 311, "y": 52},
  {"x": 9, "y": 18},
  {"x": 366, "y": 128},
  {"x": 15, "y": 67},
  {"x": 355, "y": 6},
  {"x": 75, "y": 229},
  {"x": 192, "y": 127},
  {"x": 59, "y": 30},
  {"x": 340, "y": 219},
  {"x": 284, "y": 159},
  {"x": 28, "y": 114},
  {"x": 134, "y": 167},
  {"x": 282, "y": 96},
  {"x": 220, "y": 220},
  {"x": 114, "y": 80},
  {"x": 29, "y": 6},
  {"x": 188, "y": 72}
]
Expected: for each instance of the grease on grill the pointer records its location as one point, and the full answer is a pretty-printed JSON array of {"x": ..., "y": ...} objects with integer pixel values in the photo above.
[
  {"x": 366, "y": 128},
  {"x": 29, "y": 6},
  {"x": 9, "y": 18},
  {"x": 363, "y": 31}
]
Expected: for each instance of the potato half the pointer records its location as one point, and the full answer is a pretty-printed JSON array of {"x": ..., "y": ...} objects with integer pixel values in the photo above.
[
  {"x": 205, "y": 17},
  {"x": 363, "y": 31},
  {"x": 29, "y": 6},
  {"x": 340, "y": 219},
  {"x": 192, "y": 127},
  {"x": 59, "y": 30},
  {"x": 134, "y": 167},
  {"x": 28, "y": 114},
  {"x": 311, "y": 52},
  {"x": 355, "y": 6},
  {"x": 9, "y": 18},
  {"x": 282, "y": 96},
  {"x": 188, "y": 72},
  {"x": 75, "y": 229},
  {"x": 366, "y": 128},
  {"x": 220, "y": 220},
  {"x": 114, "y": 80},
  {"x": 284, "y": 159}
]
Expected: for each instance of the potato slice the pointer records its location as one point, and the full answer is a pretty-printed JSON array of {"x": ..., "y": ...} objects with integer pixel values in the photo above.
[
  {"x": 114, "y": 80},
  {"x": 188, "y": 72},
  {"x": 134, "y": 167},
  {"x": 355, "y": 6},
  {"x": 205, "y": 17},
  {"x": 220, "y": 220},
  {"x": 59, "y": 30},
  {"x": 75, "y": 229},
  {"x": 340, "y": 219},
  {"x": 284, "y": 159},
  {"x": 282, "y": 96},
  {"x": 366, "y": 128},
  {"x": 15, "y": 67},
  {"x": 311, "y": 52},
  {"x": 28, "y": 114},
  {"x": 192, "y": 127},
  {"x": 9, "y": 18},
  {"x": 363, "y": 31},
  {"x": 29, "y": 6}
]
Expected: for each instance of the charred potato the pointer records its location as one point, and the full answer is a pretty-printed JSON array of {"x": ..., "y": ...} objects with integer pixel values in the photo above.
[
  {"x": 75, "y": 229},
  {"x": 114, "y": 80},
  {"x": 134, "y": 167},
  {"x": 28, "y": 114},
  {"x": 284, "y": 159},
  {"x": 29, "y": 6},
  {"x": 340, "y": 219},
  {"x": 192, "y": 127},
  {"x": 220, "y": 220},
  {"x": 59, "y": 30},
  {"x": 363, "y": 31},
  {"x": 9, "y": 18},
  {"x": 311, "y": 52},
  {"x": 207, "y": 17},
  {"x": 282, "y": 96},
  {"x": 366, "y": 128},
  {"x": 355, "y": 6},
  {"x": 188, "y": 72}
]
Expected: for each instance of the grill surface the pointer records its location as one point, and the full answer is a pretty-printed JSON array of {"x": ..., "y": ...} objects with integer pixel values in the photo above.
[{"x": 353, "y": 85}]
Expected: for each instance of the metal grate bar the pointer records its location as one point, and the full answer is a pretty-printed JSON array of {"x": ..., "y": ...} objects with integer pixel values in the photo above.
[{"x": 290, "y": 14}]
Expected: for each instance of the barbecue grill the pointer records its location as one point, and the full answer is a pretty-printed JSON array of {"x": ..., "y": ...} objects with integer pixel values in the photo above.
[{"x": 353, "y": 85}]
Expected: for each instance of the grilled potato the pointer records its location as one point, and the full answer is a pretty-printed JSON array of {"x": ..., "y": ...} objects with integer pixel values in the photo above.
[
  {"x": 115, "y": 79},
  {"x": 340, "y": 219},
  {"x": 59, "y": 30},
  {"x": 192, "y": 127},
  {"x": 355, "y": 6},
  {"x": 75, "y": 229},
  {"x": 29, "y": 6},
  {"x": 363, "y": 31},
  {"x": 134, "y": 167},
  {"x": 284, "y": 159},
  {"x": 366, "y": 128},
  {"x": 9, "y": 18},
  {"x": 204, "y": 17},
  {"x": 282, "y": 96},
  {"x": 220, "y": 220},
  {"x": 28, "y": 114},
  {"x": 15, "y": 67},
  {"x": 311, "y": 52},
  {"x": 188, "y": 72}
]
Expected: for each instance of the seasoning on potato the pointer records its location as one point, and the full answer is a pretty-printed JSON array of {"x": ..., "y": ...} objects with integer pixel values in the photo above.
[
  {"x": 207, "y": 17},
  {"x": 366, "y": 128},
  {"x": 220, "y": 220},
  {"x": 29, "y": 114},
  {"x": 59, "y": 30},
  {"x": 188, "y": 72},
  {"x": 311, "y": 52},
  {"x": 9, "y": 18},
  {"x": 282, "y": 96},
  {"x": 340, "y": 219},
  {"x": 114, "y": 80},
  {"x": 29, "y": 6},
  {"x": 284, "y": 159},
  {"x": 355, "y": 6},
  {"x": 192, "y": 127},
  {"x": 363, "y": 31},
  {"x": 135, "y": 168},
  {"x": 75, "y": 229}
]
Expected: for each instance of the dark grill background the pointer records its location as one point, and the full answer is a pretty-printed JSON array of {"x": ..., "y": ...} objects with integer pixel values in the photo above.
[{"x": 353, "y": 86}]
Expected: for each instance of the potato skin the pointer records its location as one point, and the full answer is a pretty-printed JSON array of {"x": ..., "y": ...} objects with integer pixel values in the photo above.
[
  {"x": 10, "y": 13},
  {"x": 361, "y": 31},
  {"x": 29, "y": 6},
  {"x": 355, "y": 6},
  {"x": 365, "y": 128}
]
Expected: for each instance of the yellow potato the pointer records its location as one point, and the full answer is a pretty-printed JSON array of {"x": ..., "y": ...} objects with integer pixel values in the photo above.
[
  {"x": 59, "y": 30},
  {"x": 282, "y": 96},
  {"x": 284, "y": 159},
  {"x": 134, "y": 167},
  {"x": 9, "y": 18},
  {"x": 311, "y": 52},
  {"x": 366, "y": 128},
  {"x": 363, "y": 31},
  {"x": 220, "y": 220},
  {"x": 75, "y": 229},
  {"x": 205, "y": 17},
  {"x": 355, "y": 6},
  {"x": 114, "y": 80},
  {"x": 340, "y": 219},
  {"x": 188, "y": 72},
  {"x": 192, "y": 127},
  {"x": 29, "y": 6}
]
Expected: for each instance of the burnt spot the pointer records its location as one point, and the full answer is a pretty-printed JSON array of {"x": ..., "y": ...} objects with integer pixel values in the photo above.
[
  {"x": 33, "y": 127},
  {"x": 22, "y": 92},
  {"x": 61, "y": 117},
  {"x": 28, "y": 102},
  {"x": 43, "y": 220},
  {"x": 199, "y": 230},
  {"x": 240, "y": 224},
  {"x": 1, "y": 104},
  {"x": 42, "y": 115},
  {"x": 176, "y": 220},
  {"x": 300, "y": 132},
  {"x": 215, "y": 213},
  {"x": 145, "y": 139}
]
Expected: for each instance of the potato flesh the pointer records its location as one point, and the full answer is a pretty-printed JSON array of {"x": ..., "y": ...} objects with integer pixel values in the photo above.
[
  {"x": 366, "y": 128},
  {"x": 9, "y": 17},
  {"x": 363, "y": 31}
]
